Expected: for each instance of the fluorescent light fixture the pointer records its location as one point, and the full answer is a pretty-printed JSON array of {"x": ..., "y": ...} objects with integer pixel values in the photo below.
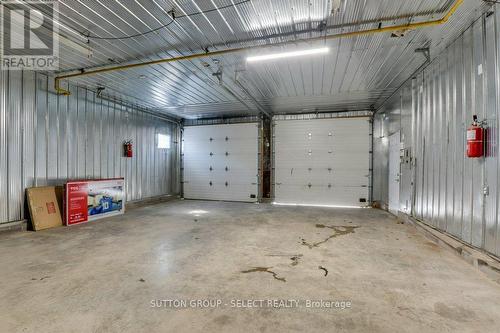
[
  {"x": 288, "y": 54},
  {"x": 313, "y": 205}
]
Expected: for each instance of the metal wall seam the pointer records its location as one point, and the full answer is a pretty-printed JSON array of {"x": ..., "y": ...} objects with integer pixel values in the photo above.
[
  {"x": 416, "y": 142},
  {"x": 29, "y": 133},
  {"x": 456, "y": 228},
  {"x": 497, "y": 150},
  {"x": 62, "y": 129},
  {"x": 104, "y": 153},
  {"x": 97, "y": 139},
  {"x": 456, "y": 194},
  {"x": 478, "y": 164},
  {"x": 4, "y": 196},
  {"x": 450, "y": 149},
  {"x": 41, "y": 131},
  {"x": 52, "y": 135},
  {"x": 46, "y": 139},
  {"x": 491, "y": 116},
  {"x": 468, "y": 105},
  {"x": 406, "y": 137},
  {"x": 14, "y": 143},
  {"x": 446, "y": 166}
]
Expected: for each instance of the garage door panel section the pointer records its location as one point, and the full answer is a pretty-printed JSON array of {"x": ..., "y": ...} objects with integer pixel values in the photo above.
[
  {"x": 345, "y": 179},
  {"x": 320, "y": 195},
  {"x": 221, "y": 162},
  {"x": 338, "y": 161},
  {"x": 322, "y": 161}
]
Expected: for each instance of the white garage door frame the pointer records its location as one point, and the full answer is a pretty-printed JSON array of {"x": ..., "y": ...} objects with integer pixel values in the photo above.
[
  {"x": 222, "y": 162},
  {"x": 288, "y": 195}
]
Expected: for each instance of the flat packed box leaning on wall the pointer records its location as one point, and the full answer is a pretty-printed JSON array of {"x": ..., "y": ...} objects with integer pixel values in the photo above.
[{"x": 45, "y": 206}]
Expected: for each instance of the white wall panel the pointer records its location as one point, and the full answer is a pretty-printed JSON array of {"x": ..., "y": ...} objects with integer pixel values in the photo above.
[
  {"x": 322, "y": 161},
  {"x": 221, "y": 162}
]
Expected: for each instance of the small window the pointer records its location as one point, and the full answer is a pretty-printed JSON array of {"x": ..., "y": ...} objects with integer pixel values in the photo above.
[{"x": 163, "y": 141}]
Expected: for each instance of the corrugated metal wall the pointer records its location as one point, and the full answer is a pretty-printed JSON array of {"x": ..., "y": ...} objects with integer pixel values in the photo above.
[
  {"x": 447, "y": 190},
  {"x": 46, "y": 139}
]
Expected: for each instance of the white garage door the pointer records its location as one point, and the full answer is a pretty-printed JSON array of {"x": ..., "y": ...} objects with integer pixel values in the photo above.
[
  {"x": 322, "y": 161},
  {"x": 221, "y": 162}
]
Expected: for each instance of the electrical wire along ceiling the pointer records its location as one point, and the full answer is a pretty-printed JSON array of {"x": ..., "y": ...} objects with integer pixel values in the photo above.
[{"x": 373, "y": 47}]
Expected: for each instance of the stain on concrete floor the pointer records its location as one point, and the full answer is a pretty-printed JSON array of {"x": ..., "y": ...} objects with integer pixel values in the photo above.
[
  {"x": 40, "y": 279},
  {"x": 323, "y": 269},
  {"x": 295, "y": 260},
  {"x": 394, "y": 285},
  {"x": 339, "y": 231},
  {"x": 454, "y": 312},
  {"x": 264, "y": 270}
]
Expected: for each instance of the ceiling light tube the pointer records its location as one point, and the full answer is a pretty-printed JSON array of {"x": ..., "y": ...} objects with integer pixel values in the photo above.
[{"x": 288, "y": 54}]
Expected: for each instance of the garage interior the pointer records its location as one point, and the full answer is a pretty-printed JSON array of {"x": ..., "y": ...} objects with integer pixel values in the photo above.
[{"x": 250, "y": 165}]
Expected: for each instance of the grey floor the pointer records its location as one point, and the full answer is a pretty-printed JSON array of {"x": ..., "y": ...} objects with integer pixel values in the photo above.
[{"x": 102, "y": 276}]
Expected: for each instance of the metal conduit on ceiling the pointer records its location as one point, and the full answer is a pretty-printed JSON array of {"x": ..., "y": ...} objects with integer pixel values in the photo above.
[{"x": 402, "y": 27}]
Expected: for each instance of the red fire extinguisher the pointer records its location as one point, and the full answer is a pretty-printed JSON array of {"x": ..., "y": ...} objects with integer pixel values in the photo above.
[
  {"x": 475, "y": 139},
  {"x": 128, "y": 149}
]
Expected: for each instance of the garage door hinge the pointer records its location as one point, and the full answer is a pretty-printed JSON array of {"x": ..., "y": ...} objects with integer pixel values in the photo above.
[{"x": 486, "y": 190}]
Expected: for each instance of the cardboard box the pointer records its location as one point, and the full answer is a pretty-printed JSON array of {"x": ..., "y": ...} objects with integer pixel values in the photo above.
[{"x": 44, "y": 206}]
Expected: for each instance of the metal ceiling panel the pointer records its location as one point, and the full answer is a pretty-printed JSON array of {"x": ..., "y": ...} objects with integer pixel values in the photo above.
[{"x": 358, "y": 72}]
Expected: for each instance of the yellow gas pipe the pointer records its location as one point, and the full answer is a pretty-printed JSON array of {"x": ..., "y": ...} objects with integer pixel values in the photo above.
[{"x": 403, "y": 27}]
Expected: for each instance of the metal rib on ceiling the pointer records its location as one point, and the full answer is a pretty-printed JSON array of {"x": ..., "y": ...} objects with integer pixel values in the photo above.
[{"x": 358, "y": 73}]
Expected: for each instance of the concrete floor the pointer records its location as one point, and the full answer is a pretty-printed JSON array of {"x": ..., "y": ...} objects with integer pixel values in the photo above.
[{"x": 102, "y": 276}]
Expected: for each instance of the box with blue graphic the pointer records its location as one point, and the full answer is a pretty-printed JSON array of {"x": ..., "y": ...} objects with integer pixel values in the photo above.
[{"x": 105, "y": 198}]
